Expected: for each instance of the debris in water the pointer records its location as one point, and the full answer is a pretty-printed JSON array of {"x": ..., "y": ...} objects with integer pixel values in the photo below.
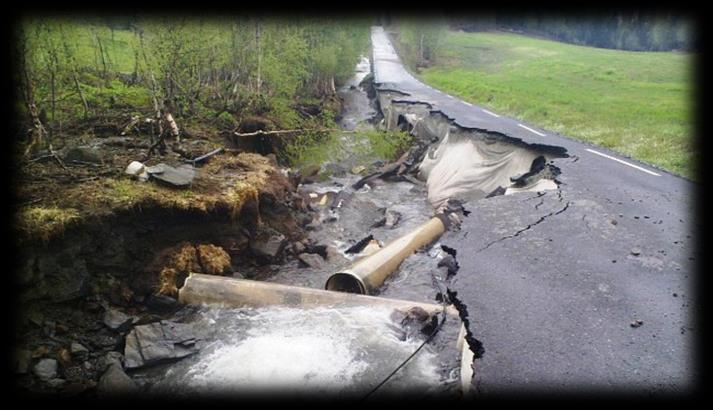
[
  {"x": 370, "y": 248},
  {"x": 496, "y": 192},
  {"x": 359, "y": 246},
  {"x": 357, "y": 170},
  {"x": 636, "y": 323}
]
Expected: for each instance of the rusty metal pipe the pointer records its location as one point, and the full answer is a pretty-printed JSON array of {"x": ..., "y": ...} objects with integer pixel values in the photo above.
[{"x": 366, "y": 275}]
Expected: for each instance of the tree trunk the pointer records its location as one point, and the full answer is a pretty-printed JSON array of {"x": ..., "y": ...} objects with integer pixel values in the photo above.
[
  {"x": 172, "y": 126},
  {"x": 101, "y": 53},
  {"x": 38, "y": 130},
  {"x": 259, "y": 57},
  {"x": 75, "y": 75}
]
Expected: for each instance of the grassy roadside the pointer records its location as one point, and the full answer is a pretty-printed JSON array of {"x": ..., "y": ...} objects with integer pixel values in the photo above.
[{"x": 635, "y": 103}]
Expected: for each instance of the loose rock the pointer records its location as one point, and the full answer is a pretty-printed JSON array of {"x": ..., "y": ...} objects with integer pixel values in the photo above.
[
  {"x": 158, "y": 342},
  {"x": 392, "y": 218},
  {"x": 56, "y": 383},
  {"x": 138, "y": 170},
  {"x": 109, "y": 359},
  {"x": 114, "y": 381},
  {"x": 298, "y": 248},
  {"x": 46, "y": 369},
  {"x": 79, "y": 352},
  {"x": 268, "y": 246},
  {"x": 311, "y": 260},
  {"x": 162, "y": 303},
  {"x": 116, "y": 320},
  {"x": 636, "y": 251},
  {"x": 180, "y": 177}
]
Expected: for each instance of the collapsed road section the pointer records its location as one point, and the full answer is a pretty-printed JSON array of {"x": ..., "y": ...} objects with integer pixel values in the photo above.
[{"x": 587, "y": 288}]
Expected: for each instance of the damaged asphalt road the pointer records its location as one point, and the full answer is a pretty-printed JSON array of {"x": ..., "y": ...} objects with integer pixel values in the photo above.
[{"x": 585, "y": 288}]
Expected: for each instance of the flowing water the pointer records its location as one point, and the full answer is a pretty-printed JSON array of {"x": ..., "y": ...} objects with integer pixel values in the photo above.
[
  {"x": 342, "y": 352},
  {"x": 337, "y": 351}
]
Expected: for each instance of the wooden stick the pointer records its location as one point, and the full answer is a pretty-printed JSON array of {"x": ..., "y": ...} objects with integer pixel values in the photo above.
[{"x": 261, "y": 132}]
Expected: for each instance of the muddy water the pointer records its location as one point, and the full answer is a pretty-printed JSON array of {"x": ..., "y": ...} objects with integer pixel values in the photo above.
[{"x": 344, "y": 351}]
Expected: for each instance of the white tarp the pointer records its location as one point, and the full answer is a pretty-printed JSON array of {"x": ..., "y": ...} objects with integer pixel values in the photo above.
[{"x": 465, "y": 168}]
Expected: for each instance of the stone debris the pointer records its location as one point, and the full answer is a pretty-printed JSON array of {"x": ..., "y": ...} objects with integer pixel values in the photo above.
[
  {"x": 159, "y": 342},
  {"x": 46, "y": 369},
  {"x": 311, "y": 260},
  {"x": 372, "y": 247},
  {"x": 109, "y": 359},
  {"x": 116, "y": 320},
  {"x": 78, "y": 351},
  {"x": 392, "y": 218},
  {"x": 360, "y": 245},
  {"x": 138, "y": 170},
  {"x": 180, "y": 177},
  {"x": 114, "y": 380},
  {"x": 268, "y": 246}
]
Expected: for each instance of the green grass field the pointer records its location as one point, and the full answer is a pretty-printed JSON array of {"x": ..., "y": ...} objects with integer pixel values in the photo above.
[{"x": 636, "y": 103}]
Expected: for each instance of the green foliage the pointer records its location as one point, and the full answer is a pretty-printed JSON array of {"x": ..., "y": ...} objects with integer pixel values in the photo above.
[
  {"x": 387, "y": 144},
  {"x": 637, "y": 103},
  {"x": 190, "y": 66},
  {"x": 420, "y": 40},
  {"x": 311, "y": 148},
  {"x": 624, "y": 30},
  {"x": 316, "y": 148},
  {"x": 226, "y": 120}
]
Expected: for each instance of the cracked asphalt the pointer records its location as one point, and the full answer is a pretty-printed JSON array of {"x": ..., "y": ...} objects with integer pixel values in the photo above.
[{"x": 589, "y": 288}]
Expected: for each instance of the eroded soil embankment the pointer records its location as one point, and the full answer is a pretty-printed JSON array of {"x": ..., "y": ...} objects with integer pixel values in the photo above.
[{"x": 82, "y": 284}]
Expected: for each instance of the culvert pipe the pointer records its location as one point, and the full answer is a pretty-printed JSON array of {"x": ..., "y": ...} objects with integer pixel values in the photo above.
[
  {"x": 200, "y": 289},
  {"x": 366, "y": 275}
]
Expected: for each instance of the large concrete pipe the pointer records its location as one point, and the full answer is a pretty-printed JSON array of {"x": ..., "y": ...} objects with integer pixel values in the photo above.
[
  {"x": 365, "y": 276},
  {"x": 201, "y": 289}
]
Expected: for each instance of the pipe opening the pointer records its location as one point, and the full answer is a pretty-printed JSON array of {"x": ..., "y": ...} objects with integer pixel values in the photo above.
[{"x": 345, "y": 282}]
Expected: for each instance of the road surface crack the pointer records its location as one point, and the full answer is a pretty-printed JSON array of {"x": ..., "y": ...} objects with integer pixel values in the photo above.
[{"x": 527, "y": 228}]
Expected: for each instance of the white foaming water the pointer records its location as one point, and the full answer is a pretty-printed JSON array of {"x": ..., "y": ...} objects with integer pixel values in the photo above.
[{"x": 337, "y": 351}]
